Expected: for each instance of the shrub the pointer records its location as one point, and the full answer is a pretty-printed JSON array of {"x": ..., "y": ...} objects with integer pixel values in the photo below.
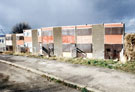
[{"x": 84, "y": 90}]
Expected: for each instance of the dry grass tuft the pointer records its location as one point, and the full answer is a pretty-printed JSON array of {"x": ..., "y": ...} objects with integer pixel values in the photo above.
[{"x": 130, "y": 47}]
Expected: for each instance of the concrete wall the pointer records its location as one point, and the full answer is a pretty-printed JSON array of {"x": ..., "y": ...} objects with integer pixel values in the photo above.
[
  {"x": 35, "y": 46},
  {"x": 57, "y": 34},
  {"x": 98, "y": 32},
  {"x": 14, "y": 42},
  {"x": 40, "y": 41}
]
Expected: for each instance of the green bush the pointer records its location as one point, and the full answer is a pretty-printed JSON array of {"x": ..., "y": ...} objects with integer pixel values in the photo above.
[{"x": 84, "y": 90}]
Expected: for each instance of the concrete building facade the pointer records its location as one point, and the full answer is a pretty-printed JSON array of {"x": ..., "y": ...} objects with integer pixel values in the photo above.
[
  {"x": 114, "y": 35},
  {"x": 98, "y": 41},
  {"x": 47, "y": 41},
  {"x": 2, "y": 43},
  {"x": 33, "y": 41},
  {"x": 28, "y": 40},
  {"x": 11, "y": 42},
  {"x": 19, "y": 42},
  {"x": 68, "y": 41},
  {"x": 84, "y": 40}
]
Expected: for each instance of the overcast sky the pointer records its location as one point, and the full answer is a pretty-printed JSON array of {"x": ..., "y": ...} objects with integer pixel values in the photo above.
[{"x": 43, "y": 13}]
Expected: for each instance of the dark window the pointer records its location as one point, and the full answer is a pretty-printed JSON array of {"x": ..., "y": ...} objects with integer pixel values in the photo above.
[
  {"x": 83, "y": 32},
  {"x": 108, "y": 50},
  {"x": 114, "y": 31},
  {"x": 21, "y": 38}
]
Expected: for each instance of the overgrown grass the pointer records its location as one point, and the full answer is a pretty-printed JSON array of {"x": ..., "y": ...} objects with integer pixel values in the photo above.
[
  {"x": 8, "y": 52},
  {"x": 128, "y": 67}
]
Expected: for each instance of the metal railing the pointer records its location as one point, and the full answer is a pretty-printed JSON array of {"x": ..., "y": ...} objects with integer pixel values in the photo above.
[{"x": 82, "y": 52}]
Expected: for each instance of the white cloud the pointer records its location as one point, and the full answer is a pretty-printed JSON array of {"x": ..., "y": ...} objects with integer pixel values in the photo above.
[
  {"x": 130, "y": 25},
  {"x": 131, "y": 22}
]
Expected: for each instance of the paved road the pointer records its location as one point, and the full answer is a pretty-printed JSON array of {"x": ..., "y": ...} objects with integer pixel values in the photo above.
[
  {"x": 105, "y": 80},
  {"x": 17, "y": 80}
]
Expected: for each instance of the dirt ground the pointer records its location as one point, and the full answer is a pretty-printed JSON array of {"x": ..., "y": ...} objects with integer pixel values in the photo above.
[
  {"x": 17, "y": 80},
  {"x": 102, "y": 79}
]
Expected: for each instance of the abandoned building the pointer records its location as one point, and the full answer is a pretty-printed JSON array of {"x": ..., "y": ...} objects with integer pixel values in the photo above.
[
  {"x": 97, "y": 41},
  {"x": 100, "y": 41}
]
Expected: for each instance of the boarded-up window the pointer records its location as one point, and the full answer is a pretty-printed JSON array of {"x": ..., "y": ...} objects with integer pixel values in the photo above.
[
  {"x": 47, "y": 33},
  {"x": 68, "y": 32},
  {"x": 114, "y": 31},
  {"x": 68, "y": 47},
  {"x": 83, "y": 32},
  {"x": 87, "y": 48}
]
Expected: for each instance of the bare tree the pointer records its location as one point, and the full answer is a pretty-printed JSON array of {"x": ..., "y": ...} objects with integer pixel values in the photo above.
[{"x": 18, "y": 28}]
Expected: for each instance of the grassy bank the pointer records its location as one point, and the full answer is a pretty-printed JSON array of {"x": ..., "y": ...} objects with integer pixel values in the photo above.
[{"x": 128, "y": 67}]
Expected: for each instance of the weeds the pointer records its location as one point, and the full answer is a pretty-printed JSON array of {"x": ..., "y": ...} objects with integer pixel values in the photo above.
[
  {"x": 62, "y": 82},
  {"x": 128, "y": 67},
  {"x": 84, "y": 90}
]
